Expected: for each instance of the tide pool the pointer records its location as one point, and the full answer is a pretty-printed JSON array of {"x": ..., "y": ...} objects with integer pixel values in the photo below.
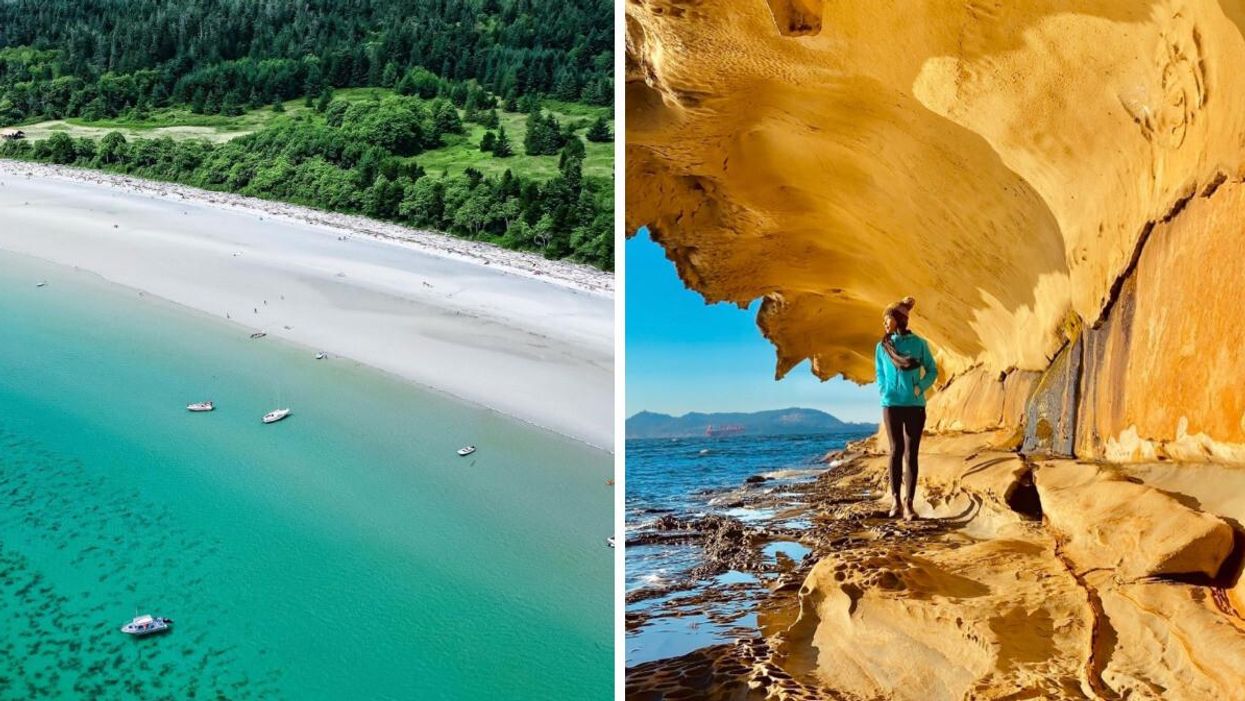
[{"x": 344, "y": 553}]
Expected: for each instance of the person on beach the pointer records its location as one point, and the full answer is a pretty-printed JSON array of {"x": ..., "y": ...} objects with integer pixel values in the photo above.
[{"x": 905, "y": 370}]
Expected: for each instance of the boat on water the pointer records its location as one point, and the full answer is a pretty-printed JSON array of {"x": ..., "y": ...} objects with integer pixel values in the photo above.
[
  {"x": 200, "y": 406},
  {"x": 275, "y": 415},
  {"x": 321, "y": 355},
  {"x": 464, "y": 452},
  {"x": 258, "y": 334},
  {"x": 610, "y": 540},
  {"x": 41, "y": 284},
  {"x": 146, "y": 624}
]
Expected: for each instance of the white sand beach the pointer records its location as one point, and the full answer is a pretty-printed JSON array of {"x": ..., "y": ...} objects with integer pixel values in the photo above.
[{"x": 528, "y": 337}]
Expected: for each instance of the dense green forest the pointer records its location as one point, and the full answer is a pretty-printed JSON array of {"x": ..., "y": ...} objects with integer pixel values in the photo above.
[
  {"x": 61, "y": 57},
  {"x": 445, "y": 75}
]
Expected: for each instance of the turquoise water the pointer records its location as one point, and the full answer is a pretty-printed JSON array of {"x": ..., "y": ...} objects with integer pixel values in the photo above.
[{"x": 344, "y": 553}]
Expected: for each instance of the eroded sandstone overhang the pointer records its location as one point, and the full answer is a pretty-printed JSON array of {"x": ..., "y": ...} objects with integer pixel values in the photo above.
[{"x": 1045, "y": 178}]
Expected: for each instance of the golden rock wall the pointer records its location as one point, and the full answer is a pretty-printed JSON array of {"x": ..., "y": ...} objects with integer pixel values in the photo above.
[{"x": 1041, "y": 176}]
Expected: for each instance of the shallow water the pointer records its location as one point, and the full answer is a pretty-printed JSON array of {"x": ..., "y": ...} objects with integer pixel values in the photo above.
[
  {"x": 345, "y": 552},
  {"x": 691, "y": 477},
  {"x": 672, "y": 637}
]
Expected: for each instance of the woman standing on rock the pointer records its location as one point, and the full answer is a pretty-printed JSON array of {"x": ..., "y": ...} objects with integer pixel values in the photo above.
[{"x": 905, "y": 370}]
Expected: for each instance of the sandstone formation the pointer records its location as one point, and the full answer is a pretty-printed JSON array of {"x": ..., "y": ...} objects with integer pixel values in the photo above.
[
  {"x": 1050, "y": 180},
  {"x": 1062, "y": 188},
  {"x": 1107, "y": 522},
  {"x": 1047, "y": 579}
]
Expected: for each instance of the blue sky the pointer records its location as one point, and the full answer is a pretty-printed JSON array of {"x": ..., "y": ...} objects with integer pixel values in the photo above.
[{"x": 684, "y": 355}]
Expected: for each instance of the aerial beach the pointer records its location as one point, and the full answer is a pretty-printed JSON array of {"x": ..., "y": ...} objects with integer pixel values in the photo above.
[
  {"x": 345, "y": 547},
  {"x": 307, "y": 371},
  {"x": 528, "y": 337}
]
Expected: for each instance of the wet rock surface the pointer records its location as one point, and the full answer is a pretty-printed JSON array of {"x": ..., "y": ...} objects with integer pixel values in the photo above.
[{"x": 983, "y": 597}]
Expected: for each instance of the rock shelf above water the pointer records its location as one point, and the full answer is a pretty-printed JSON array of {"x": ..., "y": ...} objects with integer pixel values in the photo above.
[{"x": 1023, "y": 577}]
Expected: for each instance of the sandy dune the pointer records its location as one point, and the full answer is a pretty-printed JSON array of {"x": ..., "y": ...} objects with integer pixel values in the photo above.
[{"x": 530, "y": 338}]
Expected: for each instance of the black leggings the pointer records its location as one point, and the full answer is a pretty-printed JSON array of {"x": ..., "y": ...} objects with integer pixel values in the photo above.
[{"x": 904, "y": 425}]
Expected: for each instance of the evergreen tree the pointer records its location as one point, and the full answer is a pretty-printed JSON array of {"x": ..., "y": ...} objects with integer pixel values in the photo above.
[
  {"x": 534, "y": 139},
  {"x": 544, "y": 135},
  {"x": 390, "y": 76},
  {"x": 424, "y": 83},
  {"x": 326, "y": 98},
  {"x": 335, "y": 114},
  {"x": 458, "y": 94},
  {"x": 599, "y": 132},
  {"x": 359, "y": 66},
  {"x": 231, "y": 107},
  {"x": 566, "y": 87},
  {"x": 471, "y": 107},
  {"x": 502, "y": 147},
  {"x": 446, "y": 118},
  {"x": 574, "y": 148},
  {"x": 406, "y": 86},
  {"x": 598, "y": 92},
  {"x": 488, "y": 142},
  {"x": 528, "y": 103}
]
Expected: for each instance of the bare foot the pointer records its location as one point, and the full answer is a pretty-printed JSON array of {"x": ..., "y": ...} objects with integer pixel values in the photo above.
[
  {"x": 909, "y": 513},
  {"x": 894, "y": 512}
]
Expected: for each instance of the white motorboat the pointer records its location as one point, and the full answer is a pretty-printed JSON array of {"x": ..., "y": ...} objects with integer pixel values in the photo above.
[
  {"x": 321, "y": 356},
  {"x": 41, "y": 284},
  {"x": 258, "y": 334},
  {"x": 275, "y": 415},
  {"x": 610, "y": 540},
  {"x": 146, "y": 625},
  {"x": 464, "y": 452},
  {"x": 200, "y": 406}
]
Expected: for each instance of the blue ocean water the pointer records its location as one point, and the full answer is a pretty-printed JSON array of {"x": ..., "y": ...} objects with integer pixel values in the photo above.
[
  {"x": 344, "y": 553},
  {"x": 690, "y": 477}
]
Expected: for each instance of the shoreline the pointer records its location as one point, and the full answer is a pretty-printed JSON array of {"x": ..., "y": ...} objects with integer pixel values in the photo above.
[
  {"x": 201, "y": 316},
  {"x": 565, "y": 273},
  {"x": 868, "y": 582},
  {"x": 701, "y": 567},
  {"x": 535, "y": 349}
]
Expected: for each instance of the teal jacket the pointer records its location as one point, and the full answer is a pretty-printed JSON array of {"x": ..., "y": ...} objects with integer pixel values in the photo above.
[{"x": 898, "y": 387}]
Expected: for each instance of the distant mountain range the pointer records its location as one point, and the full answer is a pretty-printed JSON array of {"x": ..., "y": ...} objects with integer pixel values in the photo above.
[{"x": 776, "y": 422}]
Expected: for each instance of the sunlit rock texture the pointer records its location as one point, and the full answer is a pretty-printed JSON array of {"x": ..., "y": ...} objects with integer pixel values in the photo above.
[{"x": 1045, "y": 178}]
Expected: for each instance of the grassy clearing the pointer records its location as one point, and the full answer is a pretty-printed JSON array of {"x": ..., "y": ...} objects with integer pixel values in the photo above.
[
  {"x": 576, "y": 109},
  {"x": 173, "y": 122},
  {"x": 43, "y": 130},
  {"x": 459, "y": 153},
  {"x": 464, "y": 152}
]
